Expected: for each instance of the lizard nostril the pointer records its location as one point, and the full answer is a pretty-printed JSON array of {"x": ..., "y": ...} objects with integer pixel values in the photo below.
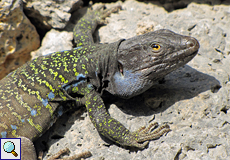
[{"x": 192, "y": 42}]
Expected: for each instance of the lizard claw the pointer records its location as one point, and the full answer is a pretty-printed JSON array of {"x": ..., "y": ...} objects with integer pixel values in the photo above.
[
  {"x": 145, "y": 134},
  {"x": 103, "y": 13}
]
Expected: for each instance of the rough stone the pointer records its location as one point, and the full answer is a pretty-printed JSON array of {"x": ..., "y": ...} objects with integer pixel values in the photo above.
[
  {"x": 51, "y": 14},
  {"x": 54, "y": 41},
  {"x": 18, "y": 36}
]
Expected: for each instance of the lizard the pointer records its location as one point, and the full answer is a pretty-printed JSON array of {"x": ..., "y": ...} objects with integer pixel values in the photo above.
[{"x": 33, "y": 96}]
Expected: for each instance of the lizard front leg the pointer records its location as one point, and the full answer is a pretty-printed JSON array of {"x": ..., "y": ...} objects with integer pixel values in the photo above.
[{"x": 113, "y": 129}]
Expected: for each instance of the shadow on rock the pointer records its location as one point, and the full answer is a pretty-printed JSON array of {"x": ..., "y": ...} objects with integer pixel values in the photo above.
[{"x": 184, "y": 83}]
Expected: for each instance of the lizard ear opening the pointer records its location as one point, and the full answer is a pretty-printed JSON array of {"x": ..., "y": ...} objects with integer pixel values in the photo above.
[{"x": 120, "y": 68}]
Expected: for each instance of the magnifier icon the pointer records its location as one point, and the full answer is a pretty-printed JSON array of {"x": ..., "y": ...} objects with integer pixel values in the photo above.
[{"x": 9, "y": 147}]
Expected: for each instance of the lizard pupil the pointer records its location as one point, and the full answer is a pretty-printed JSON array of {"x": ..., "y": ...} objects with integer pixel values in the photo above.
[{"x": 156, "y": 47}]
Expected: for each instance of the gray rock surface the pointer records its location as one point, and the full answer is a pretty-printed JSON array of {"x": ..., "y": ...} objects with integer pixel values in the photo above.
[
  {"x": 18, "y": 37},
  {"x": 194, "y": 100},
  {"x": 51, "y": 14},
  {"x": 54, "y": 41}
]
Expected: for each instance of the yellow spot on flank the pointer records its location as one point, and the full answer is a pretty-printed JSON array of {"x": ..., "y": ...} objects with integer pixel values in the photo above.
[
  {"x": 20, "y": 101},
  {"x": 50, "y": 109},
  {"x": 58, "y": 54},
  {"x": 38, "y": 109},
  {"x": 38, "y": 95},
  {"x": 14, "y": 133},
  {"x": 3, "y": 97},
  {"x": 43, "y": 67},
  {"x": 100, "y": 106},
  {"x": 30, "y": 91},
  {"x": 37, "y": 126},
  {"x": 65, "y": 65},
  {"x": 54, "y": 73},
  {"x": 111, "y": 131},
  {"x": 3, "y": 125},
  {"x": 46, "y": 83},
  {"x": 63, "y": 79},
  {"x": 86, "y": 58},
  {"x": 63, "y": 97},
  {"x": 75, "y": 89},
  {"x": 87, "y": 103},
  {"x": 75, "y": 72},
  {"x": 17, "y": 115},
  {"x": 36, "y": 71},
  {"x": 32, "y": 65},
  {"x": 45, "y": 62},
  {"x": 110, "y": 120},
  {"x": 50, "y": 86},
  {"x": 25, "y": 73}
]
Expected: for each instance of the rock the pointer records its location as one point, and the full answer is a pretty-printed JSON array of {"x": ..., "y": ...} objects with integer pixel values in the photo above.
[
  {"x": 51, "y": 14},
  {"x": 18, "y": 36},
  {"x": 54, "y": 41}
]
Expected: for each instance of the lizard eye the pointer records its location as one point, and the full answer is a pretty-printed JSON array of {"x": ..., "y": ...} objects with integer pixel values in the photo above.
[{"x": 155, "y": 47}]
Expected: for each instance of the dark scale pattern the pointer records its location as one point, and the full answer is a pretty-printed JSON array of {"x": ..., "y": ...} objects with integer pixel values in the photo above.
[{"x": 35, "y": 95}]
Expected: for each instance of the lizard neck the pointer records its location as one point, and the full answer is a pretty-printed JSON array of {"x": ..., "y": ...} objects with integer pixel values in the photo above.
[{"x": 107, "y": 65}]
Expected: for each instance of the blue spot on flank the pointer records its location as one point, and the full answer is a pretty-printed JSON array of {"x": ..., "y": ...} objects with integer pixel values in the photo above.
[
  {"x": 22, "y": 120},
  {"x": 77, "y": 48},
  {"x": 60, "y": 110},
  {"x": 51, "y": 95},
  {"x": 13, "y": 127},
  {"x": 90, "y": 86},
  {"x": 33, "y": 112},
  {"x": 4, "y": 133},
  {"x": 80, "y": 76},
  {"x": 44, "y": 102}
]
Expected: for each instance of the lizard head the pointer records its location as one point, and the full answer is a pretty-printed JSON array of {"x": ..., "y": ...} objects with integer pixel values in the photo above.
[{"x": 144, "y": 59}]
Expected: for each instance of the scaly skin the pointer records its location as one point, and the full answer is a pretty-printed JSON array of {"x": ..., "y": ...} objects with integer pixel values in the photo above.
[{"x": 35, "y": 95}]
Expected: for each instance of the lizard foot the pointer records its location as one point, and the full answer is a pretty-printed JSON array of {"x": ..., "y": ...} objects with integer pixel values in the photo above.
[
  {"x": 145, "y": 134},
  {"x": 103, "y": 13},
  {"x": 85, "y": 154}
]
